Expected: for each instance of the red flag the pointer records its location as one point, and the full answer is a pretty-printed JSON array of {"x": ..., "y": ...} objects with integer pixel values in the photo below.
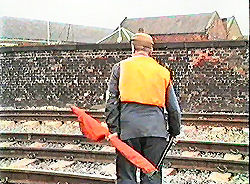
[
  {"x": 90, "y": 127},
  {"x": 95, "y": 131}
]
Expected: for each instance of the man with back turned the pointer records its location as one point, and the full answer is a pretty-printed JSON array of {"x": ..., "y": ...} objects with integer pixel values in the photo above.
[{"x": 138, "y": 92}]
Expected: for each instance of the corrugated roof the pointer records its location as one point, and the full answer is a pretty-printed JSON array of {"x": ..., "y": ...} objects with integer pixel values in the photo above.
[
  {"x": 193, "y": 23},
  {"x": 120, "y": 35},
  {"x": 20, "y": 28}
]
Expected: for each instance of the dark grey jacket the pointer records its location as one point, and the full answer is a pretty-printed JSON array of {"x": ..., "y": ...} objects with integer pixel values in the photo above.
[{"x": 133, "y": 120}]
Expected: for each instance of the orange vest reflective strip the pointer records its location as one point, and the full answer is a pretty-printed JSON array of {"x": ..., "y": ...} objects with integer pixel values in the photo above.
[{"x": 143, "y": 80}]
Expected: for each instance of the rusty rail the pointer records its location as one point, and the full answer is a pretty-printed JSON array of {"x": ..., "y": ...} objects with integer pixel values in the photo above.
[
  {"x": 209, "y": 146},
  {"x": 185, "y": 145},
  {"x": 211, "y": 119},
  {"x": 207, "y": 164},
  {"x": 52, "y": 153},
  {"x": 43, "y": 137},
  {"x": 26, "y": 176}
]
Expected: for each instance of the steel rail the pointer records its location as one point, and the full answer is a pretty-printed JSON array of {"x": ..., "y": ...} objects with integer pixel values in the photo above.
[
  {"x": 51, "y": 112},
  {"x": 23, "y": 114},
  {"x": 209, "y": 146},
  {"x": 207, "y": 164},
  {"x": 97, "y": 156},
  {"x": 52, "y": 153},
  {"x": 186, "y": 145},
  {"x": 93, "y": 112},
  {"x": 239, "y": 123},
  {"x": 221, "y": 115},
  {"x": 44, "y": 137},
  {"x": 26, "y": 176},
  {"x": 219, "y": 120},
  {"x": 39, "y": 115},
  {"x": 101, "y": 113}
]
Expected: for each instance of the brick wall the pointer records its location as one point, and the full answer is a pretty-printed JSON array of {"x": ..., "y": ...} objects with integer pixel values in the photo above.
[{"x": 208, "y": 76}]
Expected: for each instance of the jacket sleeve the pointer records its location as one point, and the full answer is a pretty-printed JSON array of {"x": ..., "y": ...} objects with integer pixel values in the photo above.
[
  {"x": 174, "y": 112},
  {"x": 112, "y": 111}
]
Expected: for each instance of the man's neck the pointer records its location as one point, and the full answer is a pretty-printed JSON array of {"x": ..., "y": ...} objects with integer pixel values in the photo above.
[{"x": 140, "y": 53}]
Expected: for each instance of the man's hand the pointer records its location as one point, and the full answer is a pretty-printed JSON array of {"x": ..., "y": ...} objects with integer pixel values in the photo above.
[
  {"x": 111, "y": 135},
  {"x": 104, "y": 125}
]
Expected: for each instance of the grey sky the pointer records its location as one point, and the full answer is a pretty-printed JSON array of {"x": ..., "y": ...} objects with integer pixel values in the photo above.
[{"x": 109, "y": 13}]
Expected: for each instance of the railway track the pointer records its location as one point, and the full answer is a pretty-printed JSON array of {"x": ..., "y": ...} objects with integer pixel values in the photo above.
[
  {"x": 211, "y": 119},
  {"x": 210, "y": 164},
  {"x": 36, "y": 176},
  {"x": 100, "y": 156}
]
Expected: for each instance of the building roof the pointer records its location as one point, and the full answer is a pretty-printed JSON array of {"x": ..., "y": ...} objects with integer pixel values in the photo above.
[
  {"x": 165, "y": 25},
  {"x": 28, "y": 29},
  {"x": 192, "y": 23}
]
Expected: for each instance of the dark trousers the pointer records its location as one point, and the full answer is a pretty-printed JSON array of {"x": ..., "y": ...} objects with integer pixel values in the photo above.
[{"x": 152, "y": 149}]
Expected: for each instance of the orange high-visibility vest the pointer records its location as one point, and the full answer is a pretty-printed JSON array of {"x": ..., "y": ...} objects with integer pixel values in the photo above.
[{"x": 143, "y": 80}]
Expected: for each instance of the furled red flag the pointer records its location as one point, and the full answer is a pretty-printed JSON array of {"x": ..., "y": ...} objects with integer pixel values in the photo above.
[{"x": 93, "y": 130}]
